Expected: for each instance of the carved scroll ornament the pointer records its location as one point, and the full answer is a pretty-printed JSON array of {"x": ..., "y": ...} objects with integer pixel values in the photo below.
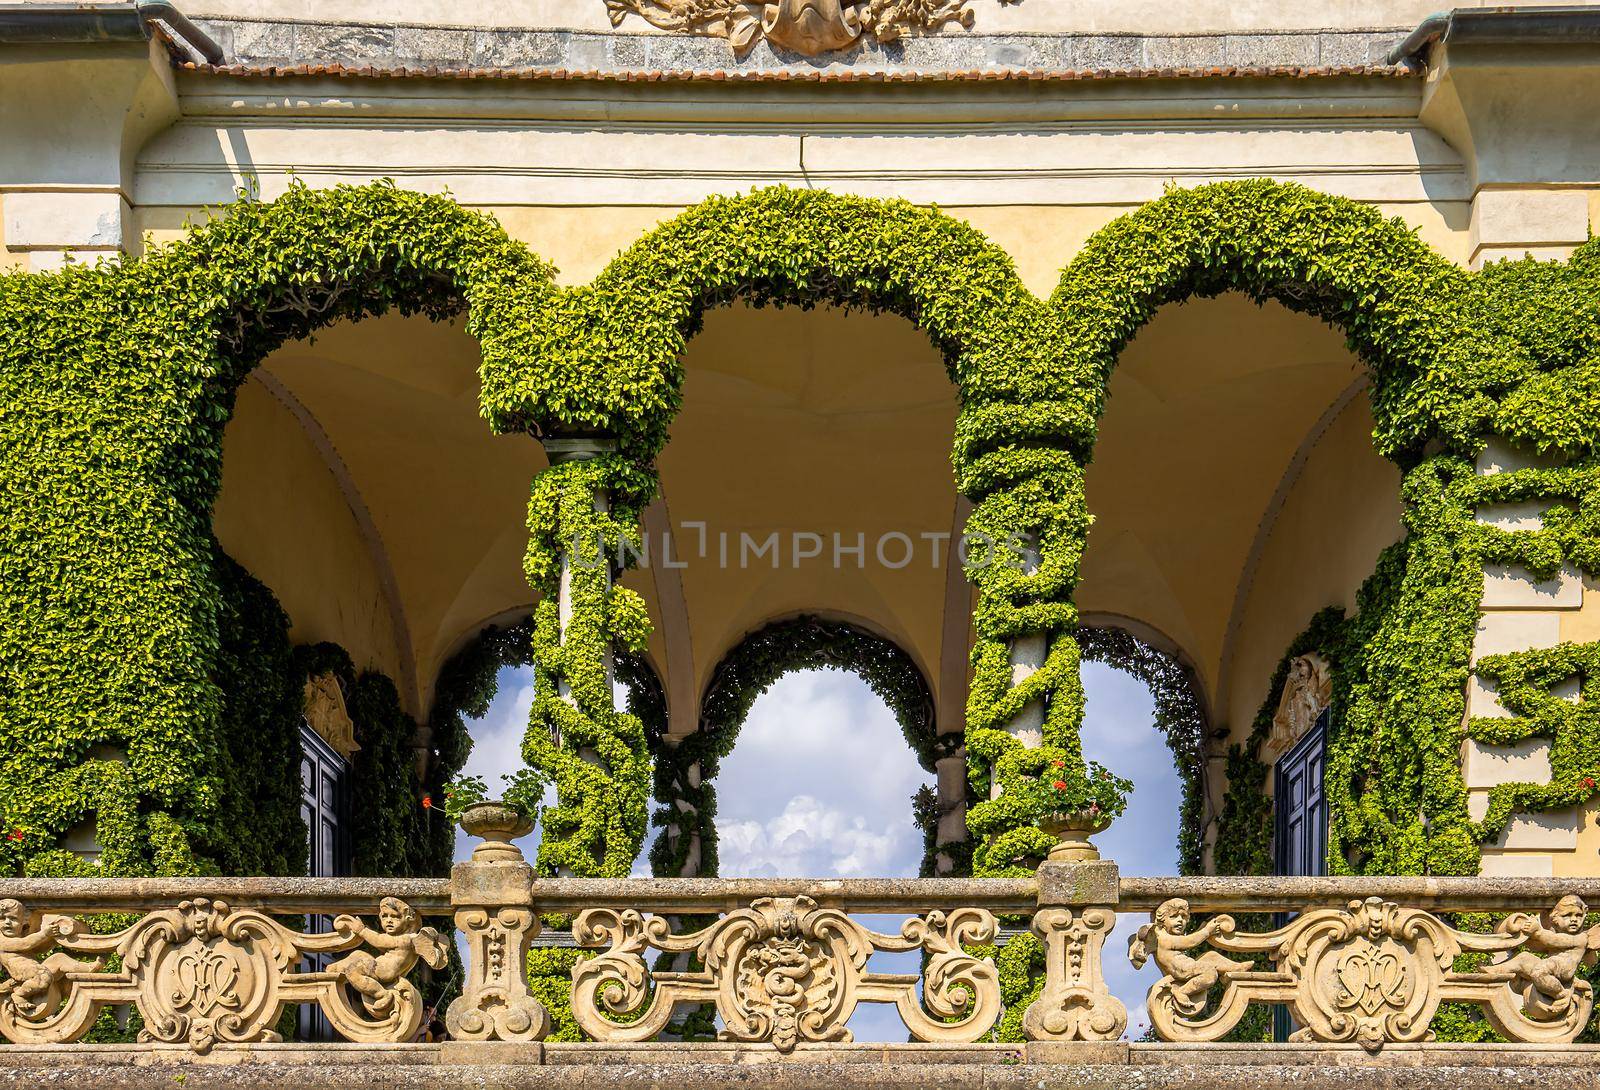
[
  {"x": 203, "y": 974},
  {"x": 784, "y": 971},
  {"x": 1371, "y": 973},
  {"x": 807, "y": 27}
]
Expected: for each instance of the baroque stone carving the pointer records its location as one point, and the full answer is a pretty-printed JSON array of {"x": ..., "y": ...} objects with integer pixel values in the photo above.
[
  {"x": 1307, "y": 691},
  {"x": 203, "y": 974},
  {"x": 32, "y": 988},
  {"x": 1370, "y": 973},
  {"x": 1075, "y": 1004},
  {"x": 808, "y": 27},
  {"x": 784, "y": 971},
  {"x": 326, "y": 714}
]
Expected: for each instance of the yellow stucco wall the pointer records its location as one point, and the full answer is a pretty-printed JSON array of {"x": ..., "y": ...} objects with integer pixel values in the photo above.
[
  {"x": 1342, "y": 511},
  {"x": 581, "y": 240},
  {"x": 10, "y": 260},
  {"x": 281, "y": 514}
]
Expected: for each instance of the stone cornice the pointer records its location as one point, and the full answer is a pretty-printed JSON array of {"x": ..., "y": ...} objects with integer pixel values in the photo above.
[{"x": 488, "y": 51}]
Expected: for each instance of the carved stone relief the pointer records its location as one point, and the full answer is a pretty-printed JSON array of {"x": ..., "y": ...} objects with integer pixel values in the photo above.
[
  {"x": 204, "y": 974},
  {"x": 784, "y": 971},
  {"x": 1370, "y": 973},
  {"x": 808, "y": 27},
  {"x": 1076, "y": 1004},
  {"x": 1307, "y": 691},
  {"x": 326, "y": 714}
]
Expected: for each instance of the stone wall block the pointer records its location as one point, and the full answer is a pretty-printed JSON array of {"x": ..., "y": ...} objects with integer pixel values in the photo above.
[
  {"x": 1527, "y": 761},
  {"x": 316, "y": 43},
  {"x": 1344, "y": 49},
  {"x": 1198, "y": 51},
  {"x": 1514, "y": 587},
  {"x": 1500, "y": 456},
  {"x": 518, "y": 48},
  {"x": 261, "y": 41},
  {"x": 1547, "y": 830},
  {"x": 1108, "y": 51},
  {"x": 1528, "y": 515},
  {"x": 1255, "y": 50},
  {"x": 1507, "y": 633},
  {"x": 1517, "y": 866},
  {"x": 432, "y": 45}
]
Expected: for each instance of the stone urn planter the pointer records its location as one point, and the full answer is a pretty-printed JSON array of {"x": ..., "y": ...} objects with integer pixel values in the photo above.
[
  {"x": 497, "y": 825},
  {"x": 1072, "y": 831}
]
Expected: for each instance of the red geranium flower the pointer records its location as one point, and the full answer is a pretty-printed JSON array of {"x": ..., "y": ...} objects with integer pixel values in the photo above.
[
  {"x": 427, "y": 802},
  {"x": 1588, "y": 783},
  {"x": 16, "y": 834},
  {"x": 1059, "y": 785}
]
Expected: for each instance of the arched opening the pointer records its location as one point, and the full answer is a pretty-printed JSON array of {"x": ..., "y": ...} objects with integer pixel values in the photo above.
[
  {"x": 807, "y": 479},
  {"x": 362, "y": 489},
  {"x": 1237, "y": 493},
  {"x": 815, "y": 755}
]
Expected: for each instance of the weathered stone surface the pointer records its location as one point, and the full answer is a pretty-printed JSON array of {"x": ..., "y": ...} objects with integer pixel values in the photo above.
[
  {"x": 1492, "y": 1069},
  {"x": 1199, "y": 51},
  {"x": 1109, "y": 51},
  {"x": 433, "y": 45},
  {"x": 1074, "y": 884},
  {"x": 317, "y": 43},
  {"x": 1260, "y": 50},
  {"x": 358, "y": 44}
]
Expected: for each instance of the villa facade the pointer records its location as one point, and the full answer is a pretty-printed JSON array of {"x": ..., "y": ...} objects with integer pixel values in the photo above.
[{"x": 352, "y": 351}]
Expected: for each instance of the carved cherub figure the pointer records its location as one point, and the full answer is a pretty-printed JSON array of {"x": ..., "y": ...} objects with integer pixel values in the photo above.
[
  {"x": 30, "y": 983},
  {"x": 1168, "y": 940},
  {"x": 400, "y": 943},
  {"x": 1546, "y": 983}
]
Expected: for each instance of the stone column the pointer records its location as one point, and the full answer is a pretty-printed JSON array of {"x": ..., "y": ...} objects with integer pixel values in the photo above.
[
  {"x": 560, "y": 450},
  {"x": 1077, "y": 910},
  {"x": 1027, "y": 658}
]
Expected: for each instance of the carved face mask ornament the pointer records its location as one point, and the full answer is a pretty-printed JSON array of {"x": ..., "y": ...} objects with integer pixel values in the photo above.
[{"x": 811, "y": 27}]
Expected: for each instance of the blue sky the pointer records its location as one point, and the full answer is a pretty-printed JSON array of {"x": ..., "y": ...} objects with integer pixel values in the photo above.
[{"x": 820, "y": 784}]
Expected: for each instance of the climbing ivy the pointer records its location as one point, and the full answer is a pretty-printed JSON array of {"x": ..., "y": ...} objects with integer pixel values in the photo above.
[{"x": 117, "y": 381}]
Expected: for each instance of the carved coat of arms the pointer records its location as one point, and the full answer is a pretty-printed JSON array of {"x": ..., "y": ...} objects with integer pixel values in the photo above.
[{"x": 807, "y": 27}]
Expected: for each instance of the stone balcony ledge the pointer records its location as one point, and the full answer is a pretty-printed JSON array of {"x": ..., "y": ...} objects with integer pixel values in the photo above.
[{"x": 1036, "y": 1066}]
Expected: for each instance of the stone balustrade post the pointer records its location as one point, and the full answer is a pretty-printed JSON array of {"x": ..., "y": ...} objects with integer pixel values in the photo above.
[
  {"x": 492, "y": 894},
  {"x": 1077, "y": 910}
]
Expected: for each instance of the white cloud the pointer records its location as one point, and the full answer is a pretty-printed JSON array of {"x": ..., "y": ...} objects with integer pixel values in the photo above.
[
  {"x": 808, "y": 839},
  {"x": 818, "y": 785}
]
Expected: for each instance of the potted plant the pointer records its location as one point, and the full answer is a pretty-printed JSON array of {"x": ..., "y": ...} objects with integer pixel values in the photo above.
[
  {"x": 496, "y": 821},
  {"x": 1075, "y": 804}
]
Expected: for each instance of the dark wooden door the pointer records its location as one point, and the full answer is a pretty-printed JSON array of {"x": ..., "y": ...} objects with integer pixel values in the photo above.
[
  {"x": 325, "y": 806},
  {"x": 1300, "y": 820}
]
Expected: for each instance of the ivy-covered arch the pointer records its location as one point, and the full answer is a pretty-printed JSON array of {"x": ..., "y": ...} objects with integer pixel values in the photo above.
[
  {"x": 117, "y": 381},
  {"x": 685, "y": 773}
]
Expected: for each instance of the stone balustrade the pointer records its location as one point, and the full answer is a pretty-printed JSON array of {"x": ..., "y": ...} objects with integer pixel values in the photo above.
[{"x": 212, "y": 964}]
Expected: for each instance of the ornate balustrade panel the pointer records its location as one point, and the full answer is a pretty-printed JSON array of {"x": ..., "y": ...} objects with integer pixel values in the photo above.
[
  {"x": 784, "y": 970},
  {"x": 204, "y": 972},
  {"x": 211, "y": 964},
  {"x": 1373, "y": 971}
]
